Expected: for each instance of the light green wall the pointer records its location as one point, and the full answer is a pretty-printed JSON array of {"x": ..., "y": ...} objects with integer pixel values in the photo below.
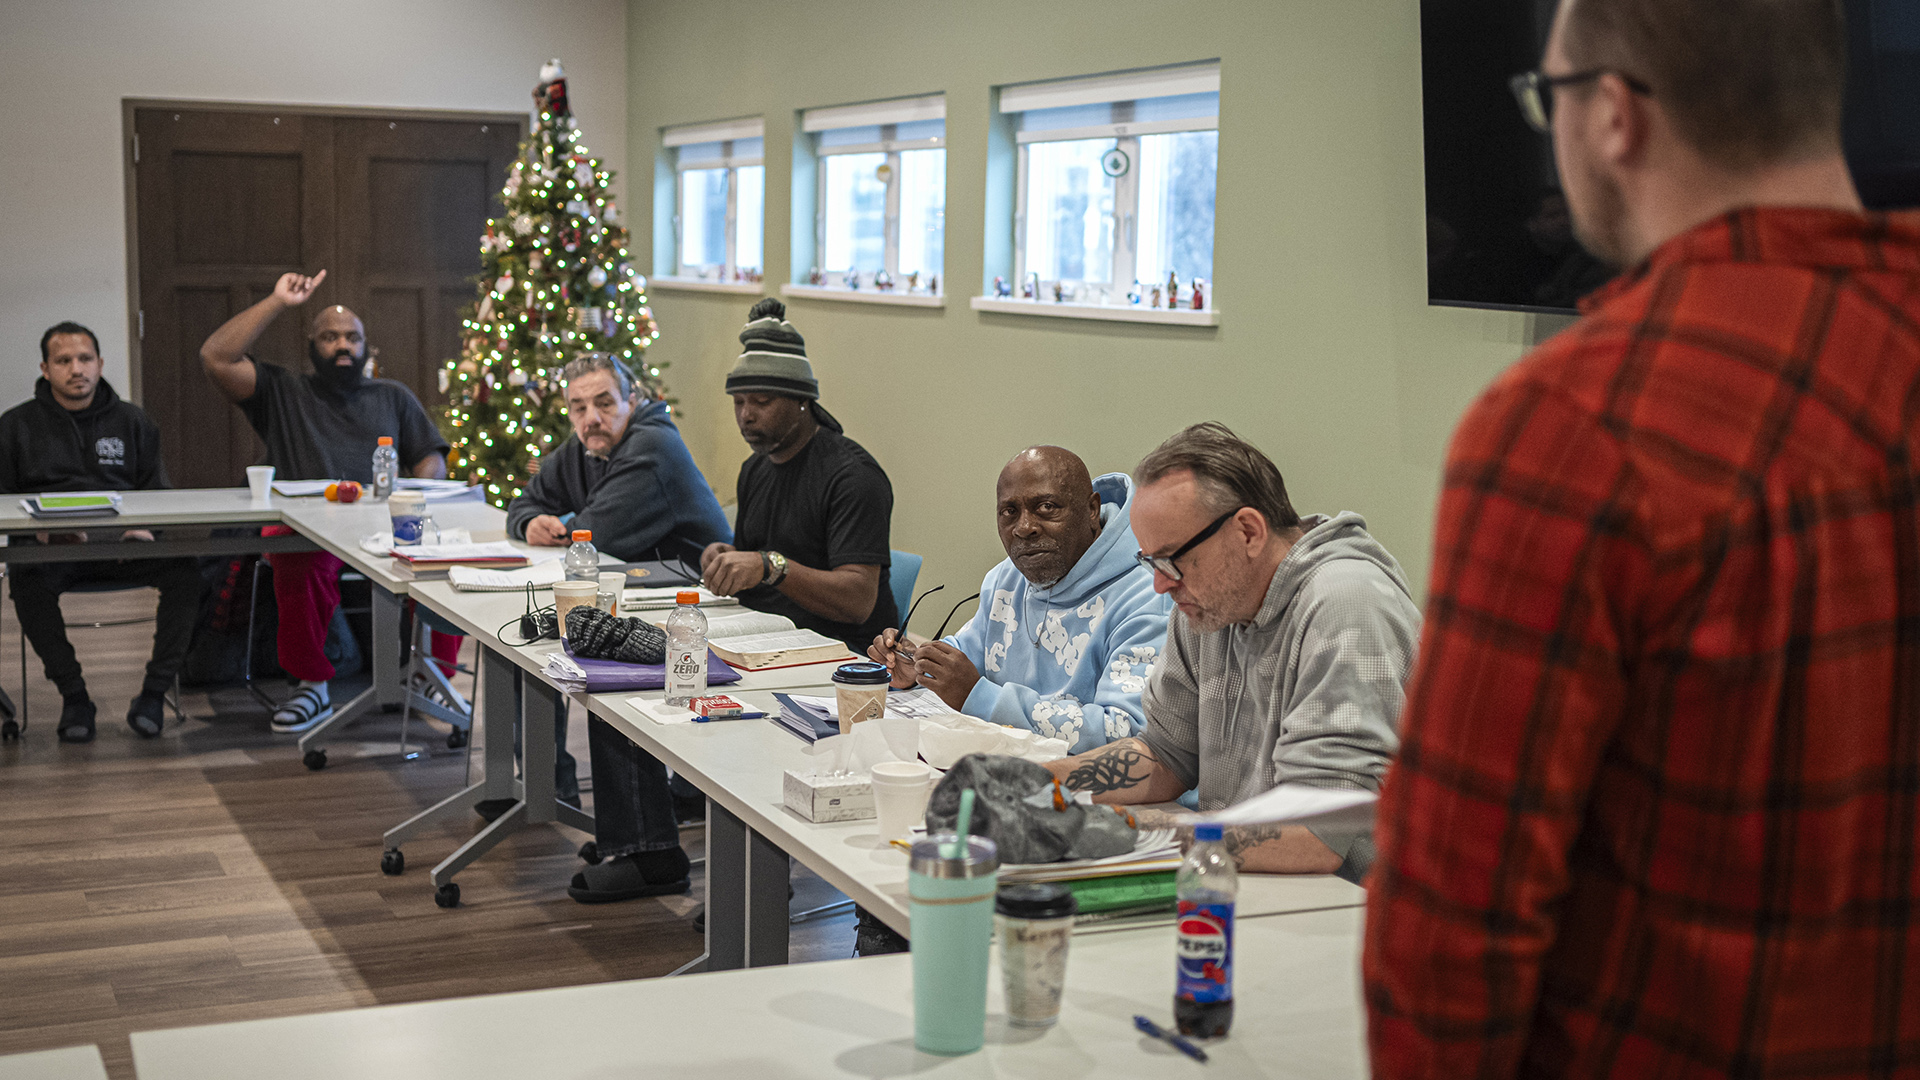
[{"x": 1328, "y": 356}]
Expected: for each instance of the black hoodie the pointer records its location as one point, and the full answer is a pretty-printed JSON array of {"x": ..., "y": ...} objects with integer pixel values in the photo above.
[{"x": 111, "y": 445}]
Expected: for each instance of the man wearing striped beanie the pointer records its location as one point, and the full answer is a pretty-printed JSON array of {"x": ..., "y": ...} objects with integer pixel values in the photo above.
[{"x": 811, "y": 538}]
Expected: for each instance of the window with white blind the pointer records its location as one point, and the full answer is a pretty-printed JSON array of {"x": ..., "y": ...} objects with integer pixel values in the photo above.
[
  {"x": 721, "y": 183},
  {"x": 880, "y": 221},
  {"x": 1115, "y": 186}
]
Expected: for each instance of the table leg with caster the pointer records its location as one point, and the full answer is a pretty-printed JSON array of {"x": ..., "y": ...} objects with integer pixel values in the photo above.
[{"x": 500, "y": 703}]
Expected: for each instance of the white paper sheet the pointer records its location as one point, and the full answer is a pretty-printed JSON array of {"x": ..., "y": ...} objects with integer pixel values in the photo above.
[{"x": 1299, "y": 803}]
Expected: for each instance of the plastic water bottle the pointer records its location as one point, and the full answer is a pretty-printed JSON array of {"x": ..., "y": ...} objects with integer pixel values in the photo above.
[
  {"x": 386, "y": 467},
  {"x": 583, "y": 562},
  {"x": 686, "y": 650},
  {"x": 1207, "y": 885}
]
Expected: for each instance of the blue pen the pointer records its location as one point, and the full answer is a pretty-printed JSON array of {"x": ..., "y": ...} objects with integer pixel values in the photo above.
[{"x": 1178, "y": 1042}]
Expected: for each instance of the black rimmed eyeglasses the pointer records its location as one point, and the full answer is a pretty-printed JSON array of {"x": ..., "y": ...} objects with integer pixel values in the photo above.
[
  {"x": 1534, "y": 91},
  {"x": 1166, "y": 564}
]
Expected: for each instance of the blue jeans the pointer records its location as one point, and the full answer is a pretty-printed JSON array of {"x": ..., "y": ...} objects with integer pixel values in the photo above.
[{"x": 632, "y": 803}]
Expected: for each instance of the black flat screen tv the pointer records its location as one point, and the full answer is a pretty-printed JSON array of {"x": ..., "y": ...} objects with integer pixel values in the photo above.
[{"x": 1498, "y": 234}]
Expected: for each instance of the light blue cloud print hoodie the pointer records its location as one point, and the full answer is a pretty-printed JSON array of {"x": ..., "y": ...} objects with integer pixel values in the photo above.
[{"x": 1070, "y": 662}]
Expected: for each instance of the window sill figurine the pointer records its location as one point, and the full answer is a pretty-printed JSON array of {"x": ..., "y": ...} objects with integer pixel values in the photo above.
[
  {"x": 853, "y": 280},
  {"x": 1001, "y": 289},
  {"x": 1133, "y": 294},
  {"x": 1199, "y": 300},
  {"x": 883, "y": 281},
  {"x": 815, "y": 277}
]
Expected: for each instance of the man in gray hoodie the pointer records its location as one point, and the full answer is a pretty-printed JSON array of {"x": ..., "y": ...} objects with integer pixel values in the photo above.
[{"x": 1285, "y": 660}]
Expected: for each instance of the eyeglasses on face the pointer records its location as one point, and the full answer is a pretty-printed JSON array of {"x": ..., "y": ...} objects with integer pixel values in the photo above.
[
  {"x": 1534, "y": 91},
  {"x": 1166, "y": 564}
]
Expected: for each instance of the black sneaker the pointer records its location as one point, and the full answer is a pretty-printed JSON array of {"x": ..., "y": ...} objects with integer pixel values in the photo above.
[{"x": 76, "y": 719}]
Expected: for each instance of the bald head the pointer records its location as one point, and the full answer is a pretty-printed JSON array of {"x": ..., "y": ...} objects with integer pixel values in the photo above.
[
  {"x": 338, "y": 346},
  {"x": 1047, "y": 512}
]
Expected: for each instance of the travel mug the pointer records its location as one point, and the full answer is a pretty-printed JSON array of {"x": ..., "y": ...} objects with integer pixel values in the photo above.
[
  {"x": 1035, "y": 923},
  {"x": 951, "y": 902},
  {"x": 860, "y": 692}
]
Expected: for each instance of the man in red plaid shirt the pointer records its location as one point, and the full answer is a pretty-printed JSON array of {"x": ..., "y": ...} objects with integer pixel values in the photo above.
[{"x": 1657, "y": 807}]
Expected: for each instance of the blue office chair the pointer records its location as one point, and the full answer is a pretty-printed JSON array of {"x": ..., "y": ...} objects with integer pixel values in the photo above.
[{"x": 906, "y": 571}]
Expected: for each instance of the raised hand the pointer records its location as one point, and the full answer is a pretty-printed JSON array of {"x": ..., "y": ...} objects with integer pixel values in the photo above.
[{"x": 296, "y": 289}]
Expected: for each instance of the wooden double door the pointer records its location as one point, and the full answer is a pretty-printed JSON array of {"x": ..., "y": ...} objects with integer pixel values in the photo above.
[{"x": 225, "y": 201}]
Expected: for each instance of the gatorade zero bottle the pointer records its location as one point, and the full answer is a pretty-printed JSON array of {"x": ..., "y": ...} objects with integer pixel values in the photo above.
[{"x": 1208, "y": 883}]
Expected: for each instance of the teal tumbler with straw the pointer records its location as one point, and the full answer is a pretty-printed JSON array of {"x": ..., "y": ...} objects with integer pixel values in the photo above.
[{"x": 951, "y": 881}]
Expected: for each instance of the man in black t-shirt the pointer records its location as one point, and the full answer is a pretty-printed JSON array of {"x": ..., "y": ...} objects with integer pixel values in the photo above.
[
  {"x": 810, "y": 543},
  {"x": 815, "y": 510},
  {"x": 322, "y": 426}
]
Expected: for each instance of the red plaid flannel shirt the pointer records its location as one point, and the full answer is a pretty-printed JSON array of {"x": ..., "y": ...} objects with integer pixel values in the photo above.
[{"x": 1657, "y": 808}]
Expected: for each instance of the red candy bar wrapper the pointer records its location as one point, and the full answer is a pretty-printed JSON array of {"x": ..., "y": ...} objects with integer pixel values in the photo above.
[{"x": 717, "y": 706}]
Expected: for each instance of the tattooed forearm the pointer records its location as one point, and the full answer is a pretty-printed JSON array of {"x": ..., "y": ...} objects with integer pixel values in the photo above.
[
  {"x": 1239, "y": 838},
  {"x": 1118, "y": 765}
]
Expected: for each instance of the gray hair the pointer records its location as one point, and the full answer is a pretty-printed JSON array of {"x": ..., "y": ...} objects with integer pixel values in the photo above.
[
  {"x": 1229, "y": 471},
  {"x": 589, "y": 363}
]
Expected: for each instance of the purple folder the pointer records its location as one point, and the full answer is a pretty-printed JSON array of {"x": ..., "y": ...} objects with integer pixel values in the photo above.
[{"x": 607, "y": 676}]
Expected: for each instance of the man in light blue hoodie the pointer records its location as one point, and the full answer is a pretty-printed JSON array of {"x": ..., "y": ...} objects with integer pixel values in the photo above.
[{"x": 1069, "y": 624}]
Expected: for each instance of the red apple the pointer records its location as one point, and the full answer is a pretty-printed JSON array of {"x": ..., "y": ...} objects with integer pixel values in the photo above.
[{"x": 349, "y": 491}]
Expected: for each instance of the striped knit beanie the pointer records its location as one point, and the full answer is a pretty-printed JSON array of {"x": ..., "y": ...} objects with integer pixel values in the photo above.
[
  {"x": 773, "y": 360},
  {"x": 594, "y": 634}
]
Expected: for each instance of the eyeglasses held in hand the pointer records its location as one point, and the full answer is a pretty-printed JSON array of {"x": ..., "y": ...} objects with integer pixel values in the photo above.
[{"x": 1166, "y": 564}]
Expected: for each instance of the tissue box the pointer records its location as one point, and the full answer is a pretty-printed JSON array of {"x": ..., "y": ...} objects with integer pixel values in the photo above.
[{"x": 820, "y": 798}]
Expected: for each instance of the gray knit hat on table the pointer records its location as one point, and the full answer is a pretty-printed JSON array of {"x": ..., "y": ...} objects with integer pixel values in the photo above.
[{"x": 774, "y": 360}]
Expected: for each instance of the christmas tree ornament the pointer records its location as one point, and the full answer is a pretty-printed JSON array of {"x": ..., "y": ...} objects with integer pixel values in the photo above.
[
  {"x": 446, "y": 379},
  {"x": 607, "y": 213},
  {"x": 579, "y": 209},
  {"x": 503, "y": 285},
  {"x": 516, "y": 377},
  {"x": 597, "y": 276},
  {"x": 536, "y": 262},
  {"x": 523, "y": 224},
  {"x": 485, "y": 313}
]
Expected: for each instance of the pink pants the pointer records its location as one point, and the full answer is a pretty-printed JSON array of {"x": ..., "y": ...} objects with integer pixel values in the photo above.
[{"x": 306, "y": 585}]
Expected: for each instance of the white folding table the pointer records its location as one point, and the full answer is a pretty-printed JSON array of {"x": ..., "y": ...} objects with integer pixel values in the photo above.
[{"x": 1297, "y": 1013}]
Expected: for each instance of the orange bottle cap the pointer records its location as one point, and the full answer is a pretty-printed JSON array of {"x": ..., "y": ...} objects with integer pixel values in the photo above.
[
  {"x": 582, "y": 535},
  {"x": 687, "y": 596},
  {"x": 386, "y": 440}
]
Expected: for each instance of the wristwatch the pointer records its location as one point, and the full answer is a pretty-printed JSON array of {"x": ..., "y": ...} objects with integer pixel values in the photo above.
[{"x": 773, "y": 566}]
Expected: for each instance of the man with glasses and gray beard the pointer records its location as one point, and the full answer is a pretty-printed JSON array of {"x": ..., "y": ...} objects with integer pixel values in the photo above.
[{"x": 1285, "y": 659}]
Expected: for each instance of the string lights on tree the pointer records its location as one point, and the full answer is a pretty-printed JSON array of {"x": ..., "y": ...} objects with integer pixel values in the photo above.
[{"x": 556, "y": 281}]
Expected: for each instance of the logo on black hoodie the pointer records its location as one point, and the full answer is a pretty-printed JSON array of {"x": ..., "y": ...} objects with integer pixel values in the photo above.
[{"x": 111, "y": 451}]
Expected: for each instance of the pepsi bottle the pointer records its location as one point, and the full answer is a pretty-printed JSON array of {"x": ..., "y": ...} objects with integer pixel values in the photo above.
[{"x": 1207, "y": 884}]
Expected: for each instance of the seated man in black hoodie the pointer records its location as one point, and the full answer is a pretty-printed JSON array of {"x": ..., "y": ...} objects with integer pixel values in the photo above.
[
  {"x": 625, "y": 475},
  {"x": 77, "y": 435}
]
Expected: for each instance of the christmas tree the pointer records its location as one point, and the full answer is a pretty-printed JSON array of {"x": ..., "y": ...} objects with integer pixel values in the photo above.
[{"x": 555, "y": 283}]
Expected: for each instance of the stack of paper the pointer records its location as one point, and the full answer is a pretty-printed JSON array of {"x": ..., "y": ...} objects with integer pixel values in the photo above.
[
  {"x": 499, "y": 553},
  {"x": 66, "y": 504},
  {"x": 810, "y": 722},
  {"x": 1154, "y": 850}
]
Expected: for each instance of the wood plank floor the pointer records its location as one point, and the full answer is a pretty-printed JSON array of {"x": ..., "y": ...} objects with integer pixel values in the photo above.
[{"x": 208, "y": 876}]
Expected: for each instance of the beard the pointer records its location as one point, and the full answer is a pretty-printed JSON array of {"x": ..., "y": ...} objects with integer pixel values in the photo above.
[{"x": 330, "y": 371}]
